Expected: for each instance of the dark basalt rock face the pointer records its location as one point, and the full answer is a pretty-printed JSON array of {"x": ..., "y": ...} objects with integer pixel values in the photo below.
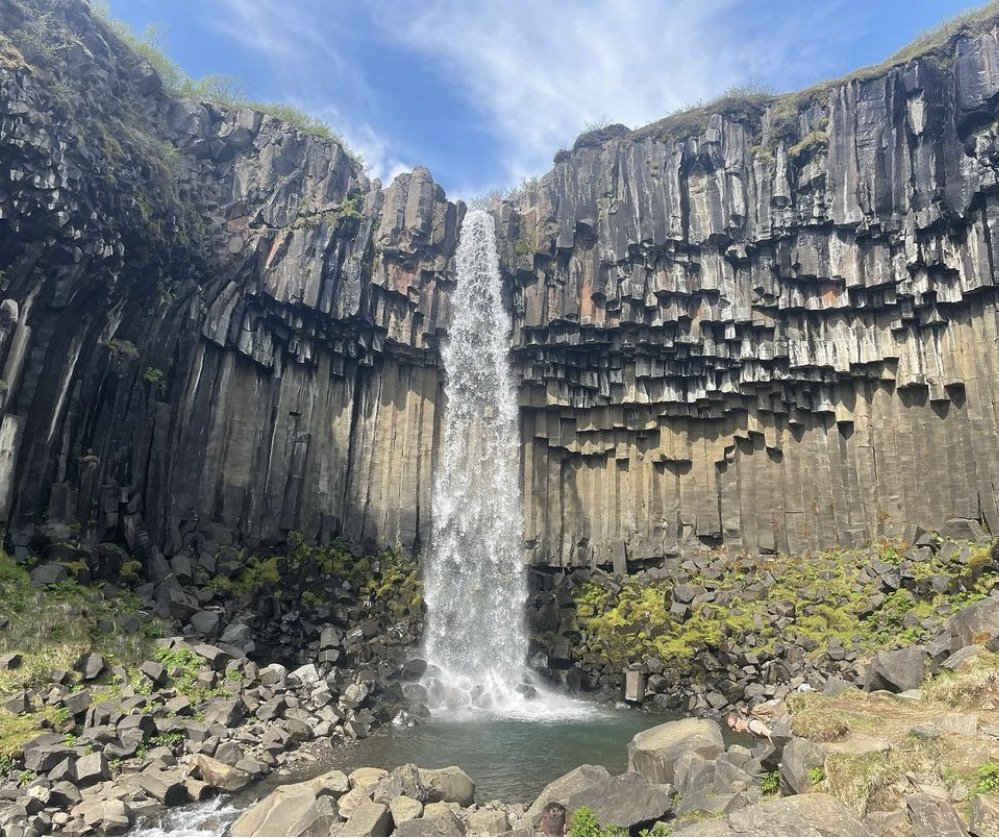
[
  {"x": 773, "y": 330},
  {"x": 209, "y": 315}
]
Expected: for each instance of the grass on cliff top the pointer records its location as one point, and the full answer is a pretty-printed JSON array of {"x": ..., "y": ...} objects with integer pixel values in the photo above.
[
  {"x": 747, "y": 103},
  {"x": 52, "y": 626},
  {"x": 830, "y": 595},
  {"x": 216, "y": 88}
]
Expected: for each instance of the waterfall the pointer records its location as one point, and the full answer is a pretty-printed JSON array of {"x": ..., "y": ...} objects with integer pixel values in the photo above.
[{"x": 474, "y": 577}]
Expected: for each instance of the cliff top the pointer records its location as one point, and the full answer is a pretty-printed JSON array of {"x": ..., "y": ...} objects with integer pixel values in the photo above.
[{"x": 749, "y": 102}]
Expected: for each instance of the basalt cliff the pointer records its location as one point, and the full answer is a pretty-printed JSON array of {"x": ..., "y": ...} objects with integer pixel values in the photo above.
[{"x": 768, "y": 324}]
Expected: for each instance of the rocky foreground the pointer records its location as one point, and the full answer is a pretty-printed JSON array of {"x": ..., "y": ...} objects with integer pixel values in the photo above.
[{"x": 916, "y": 753}]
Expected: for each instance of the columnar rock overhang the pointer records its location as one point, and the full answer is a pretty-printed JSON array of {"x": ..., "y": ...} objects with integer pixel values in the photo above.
[{"x": 771, "y": 327}]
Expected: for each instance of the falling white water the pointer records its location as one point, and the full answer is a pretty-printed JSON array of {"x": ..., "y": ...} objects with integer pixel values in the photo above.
[{"x": 475, "y": 578}]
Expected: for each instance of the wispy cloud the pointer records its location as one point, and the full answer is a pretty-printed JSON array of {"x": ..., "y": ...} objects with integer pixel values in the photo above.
[
  {"x": 532, "y": 74},
  {"x": 539, "y": 72}
]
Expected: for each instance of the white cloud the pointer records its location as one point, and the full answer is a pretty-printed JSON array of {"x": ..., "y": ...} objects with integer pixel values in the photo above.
[
  {"x": 540, "y": 71},
  {"x": 535, "y": 72}
]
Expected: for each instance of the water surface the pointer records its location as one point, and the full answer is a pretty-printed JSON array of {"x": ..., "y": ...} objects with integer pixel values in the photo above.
[{"x": 509, "y": 759}]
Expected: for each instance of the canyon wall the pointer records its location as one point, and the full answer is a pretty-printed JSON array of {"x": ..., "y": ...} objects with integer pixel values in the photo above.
[
  {"x": 770, "y": 324},
  {"x": 773, "y": 330}
]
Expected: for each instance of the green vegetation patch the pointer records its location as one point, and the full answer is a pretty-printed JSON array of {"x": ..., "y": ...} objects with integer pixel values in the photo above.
[
  {"x": 830, "y": 598},
  {"x": 52, "y": 626}
]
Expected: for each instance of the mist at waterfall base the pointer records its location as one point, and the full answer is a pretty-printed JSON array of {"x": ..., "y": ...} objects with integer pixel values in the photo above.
[{"x": 474, "y": 575}]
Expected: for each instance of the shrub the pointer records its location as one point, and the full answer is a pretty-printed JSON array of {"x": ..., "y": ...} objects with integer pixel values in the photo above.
[
  {"x": 770, "y": 783},
  {"x": 987, "y": 777}
]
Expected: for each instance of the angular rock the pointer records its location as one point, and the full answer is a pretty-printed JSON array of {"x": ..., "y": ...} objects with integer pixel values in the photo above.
[
  {"x": 562, "y": 789},
  {"x": 448, "y": 784},
  {"x": 815, "y": 814},
  {"x": 932, "y": 816},
  {"x": 368, "y": 819},
  {"x": 628, "y": 800},
  {"x": 654, "y": 752},
  {"x": 897, "y": 670},
  {"x": 321, "y": 819},
  {"x": 984, "y": 816},
  {"x": 220, "y": 775}
]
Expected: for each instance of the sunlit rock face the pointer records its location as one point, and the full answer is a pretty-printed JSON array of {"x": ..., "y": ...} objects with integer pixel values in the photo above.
[
  {"x": 774, "y": 330},
  {"x": 729, "y": 338}
]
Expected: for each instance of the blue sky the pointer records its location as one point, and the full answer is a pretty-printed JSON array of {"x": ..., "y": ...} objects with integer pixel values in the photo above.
[{"x": 484, "y": 92}]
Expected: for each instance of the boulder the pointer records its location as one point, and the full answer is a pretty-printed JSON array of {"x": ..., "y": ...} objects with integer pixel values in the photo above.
[
  {"x": 449, "y": 784},
  {"x": 816, "y": 814},
  {"x": 975, "y": 624},
  {"x": 654, "y": 752},
  {"x": 932, "y": 816},
  {"x": 634, "y": 687},
  {"x": 562, "y": 789},
  {"x": 897, "y": 670},
  {"x": 894, "y": 823},
  {"x": 403, "y": 809},
  {"x": 629, "y": 801},
  {"x": 403, "y": 781},
  {"x": 206, "y": 623},
  {"x": 90, "y": 666},
  {"x": 984, "y": 816},
  {"x": 167, "y": 787},
  {"x": 800, "y": 758},
  {"x": 443, "y": 823},
  {"x": 276, "y": 814},
  {"x": 368, "y": 819},
  {"x": 321, "y": 819},
  {"x": 91, "y": 769},
  {"x": 240, "y": 636},
  {"x": 487, "y": 823},
  {"x": 219, "y": 775}
]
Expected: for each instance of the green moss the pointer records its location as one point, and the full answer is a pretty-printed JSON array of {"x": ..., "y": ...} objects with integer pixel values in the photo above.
[
  {"x": 123, "y": 349},
  {"x": 833, "y": 599}
]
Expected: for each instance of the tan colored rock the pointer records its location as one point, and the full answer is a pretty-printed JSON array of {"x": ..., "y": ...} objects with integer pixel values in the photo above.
[
  {"x": 368, "y": 819},
  {"x": 404, "y": 808},
  {"x": 654, "y": 752}
]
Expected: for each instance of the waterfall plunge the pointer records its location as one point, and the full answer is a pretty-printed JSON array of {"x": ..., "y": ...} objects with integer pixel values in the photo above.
[{"x": 475, "y": 577}]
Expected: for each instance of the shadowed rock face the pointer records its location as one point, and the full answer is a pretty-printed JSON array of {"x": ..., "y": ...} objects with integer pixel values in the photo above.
[{"x": 724, "y": 335}]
